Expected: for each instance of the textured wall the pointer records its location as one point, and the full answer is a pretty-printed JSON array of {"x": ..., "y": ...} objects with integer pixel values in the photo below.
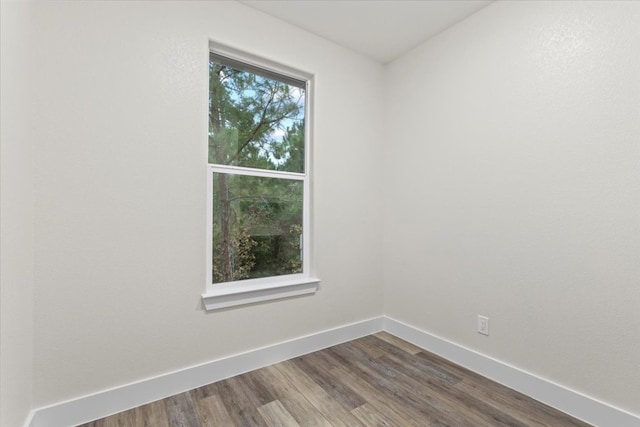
[
  {"x": 120, "y": 191},
  {"x": 510, "y": 189},
  {"x": 513, "y": 190},
  {"x": 16, "y": 218}
]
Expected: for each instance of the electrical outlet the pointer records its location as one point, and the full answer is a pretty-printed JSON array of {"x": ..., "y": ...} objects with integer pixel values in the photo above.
[{"x": 483, "y": 325}]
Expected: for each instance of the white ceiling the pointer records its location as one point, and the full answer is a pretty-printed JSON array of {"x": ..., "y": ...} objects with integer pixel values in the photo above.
[{"x": 380, "y": 29}]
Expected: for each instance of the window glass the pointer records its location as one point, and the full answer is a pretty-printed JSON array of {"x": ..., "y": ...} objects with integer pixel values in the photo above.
[
  {"x": 255, "y": 121},
  {"x": 264, "y": 220},
  {"x": 257, "y": 172}
]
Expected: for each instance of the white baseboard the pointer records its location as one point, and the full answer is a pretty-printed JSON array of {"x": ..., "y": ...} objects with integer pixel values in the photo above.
[
  {"x": 564, "y": 399},
  {"x": 108, "y": 402},
  {"x": 112, "y": 401},
  {"x": 28, "y": 422}
]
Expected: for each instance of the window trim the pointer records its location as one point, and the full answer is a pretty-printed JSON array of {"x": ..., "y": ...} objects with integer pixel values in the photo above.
[{"x": 249, "y": 291}]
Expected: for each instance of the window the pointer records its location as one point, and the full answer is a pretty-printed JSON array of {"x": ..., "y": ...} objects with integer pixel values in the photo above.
[{"x": 257, "y": 181}]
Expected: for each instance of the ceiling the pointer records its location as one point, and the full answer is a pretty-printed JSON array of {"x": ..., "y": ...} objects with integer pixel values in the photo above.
[{"x": 380, "y": 29}]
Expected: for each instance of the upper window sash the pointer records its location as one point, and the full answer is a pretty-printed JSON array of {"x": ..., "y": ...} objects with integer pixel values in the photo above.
[{"x": 285, "y": 102}]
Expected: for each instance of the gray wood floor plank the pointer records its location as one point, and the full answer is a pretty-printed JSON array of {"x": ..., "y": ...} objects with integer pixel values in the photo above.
[
  {"x": 424, "y": 408},
  {"x": 276, "y": 415},
  {"x": 212, "y": 412},
  {"x": 369, "y": 415},
  {"x": 327, "y": 406},
  {"x": 397, "y": 342},
  {"x": 418, "y": 365},
  {"x": 152, "y": 415},
  {"x": 293, "y": 401},
  {"x": 180, "y": 412},
  {"x": 317, "y": 368},
  {"x": 240, "y": 401}
]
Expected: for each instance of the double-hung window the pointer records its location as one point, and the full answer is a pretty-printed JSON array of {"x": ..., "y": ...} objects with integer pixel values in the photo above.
[{"x": 258, "y": 183}]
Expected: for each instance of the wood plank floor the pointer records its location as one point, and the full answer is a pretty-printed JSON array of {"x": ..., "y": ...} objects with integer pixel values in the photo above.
[{"x": 378, "y": 380}]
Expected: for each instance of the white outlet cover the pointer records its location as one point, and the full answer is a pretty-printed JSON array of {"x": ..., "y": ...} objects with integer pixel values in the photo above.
[{"x": 483, "y": 325}]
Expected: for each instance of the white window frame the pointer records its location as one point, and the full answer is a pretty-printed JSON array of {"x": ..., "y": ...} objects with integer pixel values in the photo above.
[{"x": 241, "y": 292}]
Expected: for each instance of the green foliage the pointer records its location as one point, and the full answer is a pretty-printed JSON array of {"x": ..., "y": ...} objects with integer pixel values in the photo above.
[
  {"x": 291, "y": 149},
  {"x": 224, "y": 141},
  {"x": 255, "y": 122},
  {"x": 244, "y": 257}
]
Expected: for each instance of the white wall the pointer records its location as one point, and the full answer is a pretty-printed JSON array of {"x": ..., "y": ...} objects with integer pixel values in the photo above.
[
  {"x": 16, "y": 218},
  {"x": 513, "y": 190},
  {"x": 121, "y": 104}
]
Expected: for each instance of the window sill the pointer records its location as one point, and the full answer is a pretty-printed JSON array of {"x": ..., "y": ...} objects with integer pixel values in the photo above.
[{"x": 230, "y": 295}]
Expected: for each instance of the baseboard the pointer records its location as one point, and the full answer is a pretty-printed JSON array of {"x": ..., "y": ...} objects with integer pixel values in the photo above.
[
  {"x": 29, "y": 421},
  {"x": 564, "y": 399},
  {"x": 108, "y": 402}
]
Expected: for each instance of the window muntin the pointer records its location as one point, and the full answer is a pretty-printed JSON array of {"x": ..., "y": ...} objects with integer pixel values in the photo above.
[{"x": 258, "y": 179}]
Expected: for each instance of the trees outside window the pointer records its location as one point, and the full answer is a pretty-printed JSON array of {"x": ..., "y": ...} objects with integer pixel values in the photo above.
[{"x": 257, "y": 174}]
